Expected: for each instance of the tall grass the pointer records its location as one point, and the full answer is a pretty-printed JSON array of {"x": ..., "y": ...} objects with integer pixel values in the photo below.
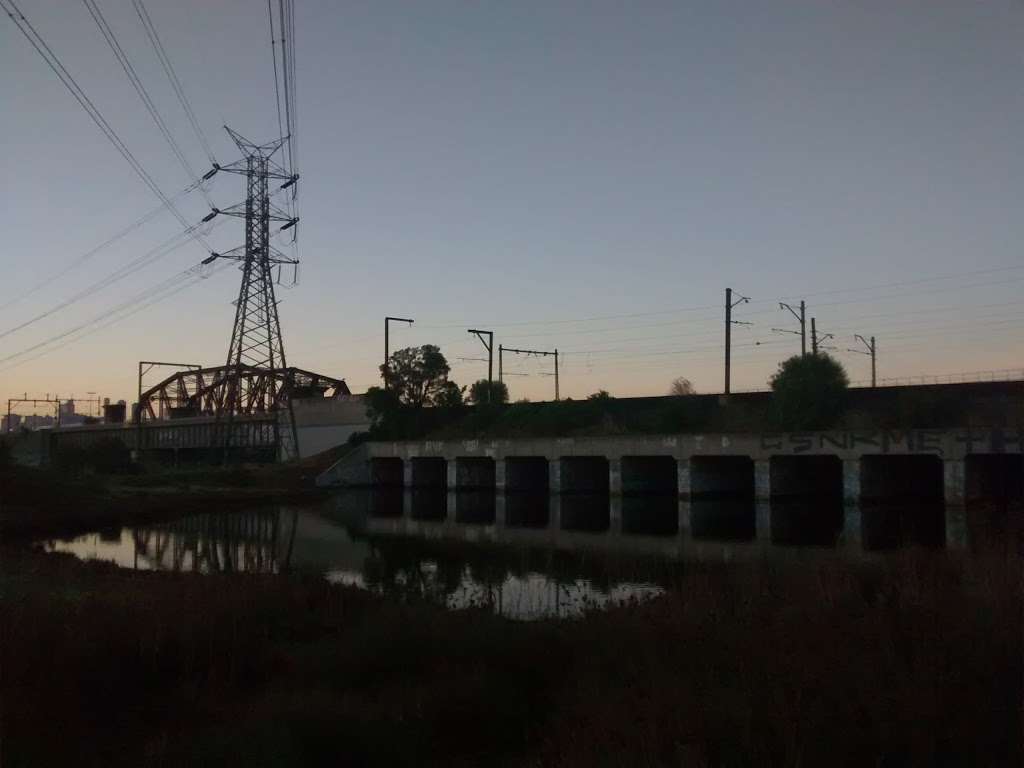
[{"x": 914, "y": 663}]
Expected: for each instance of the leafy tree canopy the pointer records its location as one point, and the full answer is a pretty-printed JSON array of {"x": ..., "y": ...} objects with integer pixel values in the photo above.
[
  {"x": 808, "y": 391},
  {"x": 681, "y": 386},
  {"x": 479, "y": 390},
  {"x": 418, "y": 376},
  {"x": 450, "y": 396}
]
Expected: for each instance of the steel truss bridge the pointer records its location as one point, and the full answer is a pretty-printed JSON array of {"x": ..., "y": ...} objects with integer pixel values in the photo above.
[
  {"x": 185, "y": 416},
  {"x": 204, "y": 391}
]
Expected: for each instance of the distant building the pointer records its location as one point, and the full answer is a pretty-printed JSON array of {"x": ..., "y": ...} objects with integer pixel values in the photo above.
[{"x": 35, "y": 421}]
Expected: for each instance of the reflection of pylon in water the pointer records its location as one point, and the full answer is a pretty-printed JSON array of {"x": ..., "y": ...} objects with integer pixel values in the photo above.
[{"x": 256, "y": 343}]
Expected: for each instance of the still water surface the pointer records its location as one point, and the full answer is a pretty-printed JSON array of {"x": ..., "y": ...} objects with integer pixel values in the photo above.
[{"x": 552, "y": 556}]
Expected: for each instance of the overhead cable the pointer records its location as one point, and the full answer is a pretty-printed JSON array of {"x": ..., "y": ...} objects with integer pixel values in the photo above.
[
  {"x": 28, "y": 31},
  {"x": 165, "y": 248},
  {"x": 144, "y": 300},
  {"x": 165, "y": 61},
  {"x": 140, "y": 89},
  {"x": 62, "y": 271}
]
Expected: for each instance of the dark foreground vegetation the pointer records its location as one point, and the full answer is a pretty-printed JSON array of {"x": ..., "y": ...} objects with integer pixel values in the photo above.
[{"x": 914, "y": 662}]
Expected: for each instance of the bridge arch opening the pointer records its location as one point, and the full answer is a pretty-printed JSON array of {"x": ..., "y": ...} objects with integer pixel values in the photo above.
[
  {"x": 806, "y": 477},
  {"x": 526, "y": 474},
  {"x": 475, "y": 473},
  {"x": 910, "y": 477},
  {"x": 721, "y": 477},
  {"x": 650, "y": 475},
  {"x": 994, "y": 478},
  {"x": 428, "y": 472},
  {"x": 584, "y": 474}
]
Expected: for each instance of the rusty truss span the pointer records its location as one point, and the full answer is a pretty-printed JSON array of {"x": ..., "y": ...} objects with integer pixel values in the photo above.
[{"x": 204, "y": 392}]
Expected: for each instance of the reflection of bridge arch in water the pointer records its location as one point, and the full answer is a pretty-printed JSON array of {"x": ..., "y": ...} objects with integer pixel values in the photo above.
[{"x": 244, "y": 542}]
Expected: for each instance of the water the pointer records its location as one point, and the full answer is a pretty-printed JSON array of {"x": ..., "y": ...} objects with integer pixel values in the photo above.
[{"x": 552, "y": 556}]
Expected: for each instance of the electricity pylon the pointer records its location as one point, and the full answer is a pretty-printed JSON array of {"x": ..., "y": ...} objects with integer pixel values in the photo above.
[{"x": 256, "y": 343}]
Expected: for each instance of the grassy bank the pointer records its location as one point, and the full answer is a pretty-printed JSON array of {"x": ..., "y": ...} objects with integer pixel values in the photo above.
[{"x": 915, "y": 664}]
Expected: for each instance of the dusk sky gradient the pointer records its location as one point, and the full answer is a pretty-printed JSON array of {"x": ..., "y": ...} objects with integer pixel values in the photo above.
[{"x": 581, "y": 175}]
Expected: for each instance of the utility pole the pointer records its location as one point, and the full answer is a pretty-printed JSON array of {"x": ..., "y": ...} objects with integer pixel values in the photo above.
[
  {"x": 815, "y": 339},
  {"x": 870, "y": 351},
  {"x": 256, "y": 342},
  {"x": 803, "y": 324},
  {"x": 729, "y": 304},
  {"x": 556, "y": 376},
  {"x": 26, "y": 400},
  {"x": 387, "y": 348},
  {"x": 542, "y": 354},
  {"x": 489, "y": 344},
  {"x": 501, "y": 371}
]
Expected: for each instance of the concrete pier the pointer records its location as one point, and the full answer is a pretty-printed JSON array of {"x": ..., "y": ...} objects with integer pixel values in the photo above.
[
  {"x": 762, "y": 480},
  {"x": 615, "y": 477},
  {"x": 852, "y": 536},
  {"x": 954, "y": 481},
  {"x": 615, "y": 514},
  {"x": 763, "y": 521},
  {"x": 851, "y": 481}
]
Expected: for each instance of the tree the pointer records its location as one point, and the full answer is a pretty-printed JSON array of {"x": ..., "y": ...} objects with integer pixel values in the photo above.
[
  {"x": 681, "y": 387},
  {"x": 5, "y": 453},
  {"x": 380, "y": 404},
  {"x": 808, "y": 391},
  {"x": 601, "y": 394},
  {"x": 478, "y": 392},
  {"x": 451, "y": 396},
  {"x": 418, "y": 376}
]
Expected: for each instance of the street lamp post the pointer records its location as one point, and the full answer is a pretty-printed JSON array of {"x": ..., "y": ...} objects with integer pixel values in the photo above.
[{"x": 387, "y": 341}]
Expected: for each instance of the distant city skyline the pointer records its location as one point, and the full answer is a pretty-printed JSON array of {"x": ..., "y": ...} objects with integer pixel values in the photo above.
[{"x": 586, "y": 176}]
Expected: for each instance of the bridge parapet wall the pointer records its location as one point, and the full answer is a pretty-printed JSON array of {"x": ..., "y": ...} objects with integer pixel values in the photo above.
[{"x": 952, "y": 444}]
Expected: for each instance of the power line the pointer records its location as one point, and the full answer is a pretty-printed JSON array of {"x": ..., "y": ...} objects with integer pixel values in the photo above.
[
  {"x": 165, "y": 248},
  {"x": 680, "y": 310},
  {"x": 277, "y": 87},
  {"x": 582, "y": 319},
  {"x": 287, "y": 120},
  {"x": 192, "y": 272},
  {"x": 88, "y": 331},
  {"x": 901, "y": 283},
  {"x": 37, "y": 42},
  {"x": 165, "y": 61},
  {"x": 89, "y": 254},
  {"x": 140, "y": 89},
  {"x": 287, "y": 27}
]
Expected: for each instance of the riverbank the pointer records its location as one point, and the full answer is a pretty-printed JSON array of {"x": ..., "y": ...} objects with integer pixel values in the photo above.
[
  {"x": 49, "y": 503},
  {"x": 913, "y": 664}
]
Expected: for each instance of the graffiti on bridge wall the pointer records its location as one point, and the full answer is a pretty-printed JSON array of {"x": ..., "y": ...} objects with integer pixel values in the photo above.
[{"x": 996, "y": 440}]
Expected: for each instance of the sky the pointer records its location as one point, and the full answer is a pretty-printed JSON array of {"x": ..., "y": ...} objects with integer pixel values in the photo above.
[{"x": 581, "y": 175}]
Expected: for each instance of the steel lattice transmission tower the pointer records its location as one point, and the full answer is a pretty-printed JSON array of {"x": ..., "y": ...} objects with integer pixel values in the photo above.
[{"x": 256, "y": 344}]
